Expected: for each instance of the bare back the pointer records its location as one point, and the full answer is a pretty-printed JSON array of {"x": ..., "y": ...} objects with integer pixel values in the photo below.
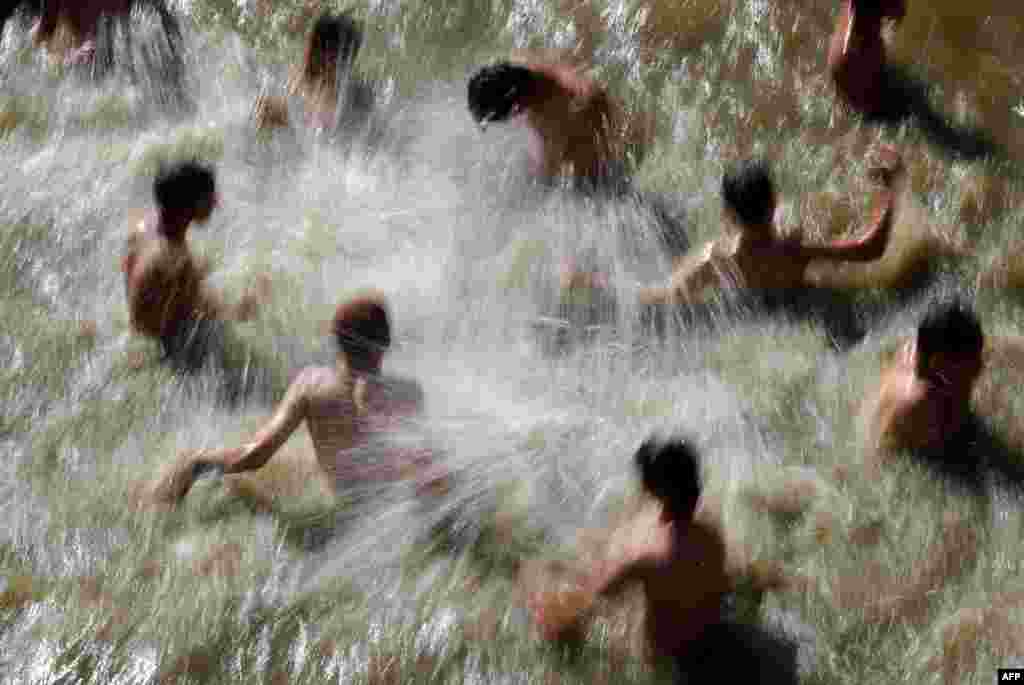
[
  {"x": 351, "y": 421},
  {"x": 578, "y": 128},
  {"x": 723, "y": 265},
  {"x": 683, "y": 585},
  {"x": 681, "y": 567},
  {"x": 163, "y": 283}
]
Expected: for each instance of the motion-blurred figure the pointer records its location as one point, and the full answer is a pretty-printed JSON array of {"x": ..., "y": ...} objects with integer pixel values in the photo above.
[
  {"x": 578, "y": 131},
  {"x": 886, "y": 93},
  {"x": 325, "y": 81},
  {"x": 9, "y": 7},
  {"x": 924, "y": 395},
  {"x": 70, "y": 28},
  {"x": 347, "y": 407},
  {"x": 753, "y": 258},
  {"x": 164, "y": 283},
  {"x": 678, "y": 560},
  {"x": 856, "y": 55}
]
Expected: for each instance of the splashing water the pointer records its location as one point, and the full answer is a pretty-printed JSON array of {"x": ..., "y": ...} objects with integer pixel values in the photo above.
[{"x": 430, "y": 211}]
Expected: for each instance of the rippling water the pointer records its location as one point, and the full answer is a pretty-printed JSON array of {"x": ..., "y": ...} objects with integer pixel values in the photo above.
[{"x": 438, "y": 216}]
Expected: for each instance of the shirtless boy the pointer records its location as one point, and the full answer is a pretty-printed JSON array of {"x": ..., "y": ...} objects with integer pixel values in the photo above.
[
  {"x": 677, "y": 559},
  {"x": 753, "y": 258},
  {"x": 578, "y": 132},
  {"x": 856, "y": 54},
  {"x": 167, "y": 298},
  {"x": 345, "y": 407},
  {"x": 924, "y": 395},
  {"x": 331, "y": 48},
  {"x": 80, "y": 20}
]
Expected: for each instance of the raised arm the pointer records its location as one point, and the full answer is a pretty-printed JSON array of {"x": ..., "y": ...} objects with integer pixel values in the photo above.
[{"x": 867, "y": 248}]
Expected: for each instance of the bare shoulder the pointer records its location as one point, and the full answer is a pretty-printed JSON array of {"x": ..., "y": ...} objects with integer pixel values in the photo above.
[
  {"x": 562, "y": 68},
  {"x": 136, "y": 219},
  {"x": 317, "y": 378},
  {"x": 705, "y": 538},
  {"x": 692, "y": 272},
  {"x": 893, "y": 409},
  {"x": 136, "y": 233},
  {"x": 693, "y": 260}
]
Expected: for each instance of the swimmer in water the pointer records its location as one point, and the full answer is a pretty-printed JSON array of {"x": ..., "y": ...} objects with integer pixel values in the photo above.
[
  {"x": 347, "y": 406},
  {"x": 70, "y": 27},
  {"x": 578, "y": 131},
  {"x": 676, "y": 558},
  {"x": 9, "y": 7},
  {"x": 856, "y": 54},
  {"x": 923, "y": 401},
  {"x": 164, "y": 282},
  {"x": 753, "y": 258},
  {"x": 331, "y": 48}
]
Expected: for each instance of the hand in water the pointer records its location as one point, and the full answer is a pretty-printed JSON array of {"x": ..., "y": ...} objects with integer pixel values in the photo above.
[
  {"x": 557, "y": 603},
  {"x": 176, "y": 479}
]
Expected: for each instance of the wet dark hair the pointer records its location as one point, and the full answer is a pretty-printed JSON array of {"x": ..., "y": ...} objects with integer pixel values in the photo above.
[
  {"x": 748, "y": 190},
  {"x": 950, "y": 327},
  {"x": 362, "y": 325},
  {"x": 881, "y": 8},
  {"x": 183, "y": 185},
  {"x": 334, "y": 33},
  {"x": 495, "y": 90},
  {"x": 670, "y": 470}
]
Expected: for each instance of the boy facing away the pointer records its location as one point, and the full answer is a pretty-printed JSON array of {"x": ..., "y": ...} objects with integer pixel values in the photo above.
[
  {"x": 347, "y": 406},
  {"x": 678, "y": 560},
  {"x": 168, "y": 299}
]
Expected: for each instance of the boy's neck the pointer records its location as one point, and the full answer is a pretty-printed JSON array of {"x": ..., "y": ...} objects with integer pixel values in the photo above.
[
  {"x": 681, "y": 520},
  {"x": 347, "y": 368},
  {"x": 759, "y": 236},
  {"x": 172, "y": 225}
]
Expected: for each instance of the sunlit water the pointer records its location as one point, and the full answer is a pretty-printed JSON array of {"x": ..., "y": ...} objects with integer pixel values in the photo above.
[{"x": 432, "y": 212}]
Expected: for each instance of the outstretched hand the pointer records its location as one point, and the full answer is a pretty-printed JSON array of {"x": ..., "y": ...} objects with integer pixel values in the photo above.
[
  {"x": 558, "y": 610},
  {"x": 177, "y": 478}
]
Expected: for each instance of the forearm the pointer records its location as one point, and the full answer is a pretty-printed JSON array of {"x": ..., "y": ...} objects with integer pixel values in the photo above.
[
  {"x": 869, "y": 247},
  {"x": 235, "y": 459},
  {"x": 654, "y": 296}
]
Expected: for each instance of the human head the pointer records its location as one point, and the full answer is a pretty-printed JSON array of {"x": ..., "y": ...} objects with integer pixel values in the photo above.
[
  {"x": 949, "y": 344},
  {"x": 748, "y": 194},
  {"x": 670, "y": 471},
  {"x": 893, "y": 9},
  {"x": 187, "y": 190},
  {"x": 362, "y": 329},
  {"x": 333, "y": 39},
  {"x": 496, "y": 91}
]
